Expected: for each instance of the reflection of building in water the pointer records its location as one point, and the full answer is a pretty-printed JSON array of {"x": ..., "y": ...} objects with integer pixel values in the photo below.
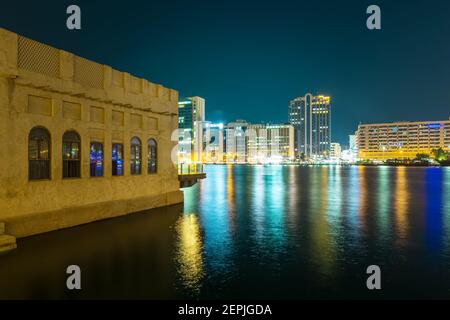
[
  {"x": 324, "y": 239},
  {"x": 189, "y": 252},
  {"x": 84, "y": 142},
  {"x": 401, "y": 140},
  {"x": 401, "y": 204}
]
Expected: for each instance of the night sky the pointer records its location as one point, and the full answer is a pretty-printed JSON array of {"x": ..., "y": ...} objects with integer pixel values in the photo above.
[{"x": 249, "y": 58}]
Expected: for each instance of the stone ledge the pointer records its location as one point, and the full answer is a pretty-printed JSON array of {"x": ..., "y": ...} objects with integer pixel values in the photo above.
[
  {"x": 41, "y": 222},
  {"x": 7, "y": 243}
]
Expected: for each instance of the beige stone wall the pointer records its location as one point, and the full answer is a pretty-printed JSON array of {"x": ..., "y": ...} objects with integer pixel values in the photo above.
[{"x": 43, "y": 86}]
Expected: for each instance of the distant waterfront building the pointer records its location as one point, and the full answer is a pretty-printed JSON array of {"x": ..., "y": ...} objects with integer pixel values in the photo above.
[
  {"x": 335, "y": 150},
  {"x": 401, "y": 140},
  {"x": 350, "y": 155},
  {"x": 236, "y": 141},
  {"x": 353, "y": 148},
  {"x": 80, "y": 141},
  {"x": 191, "y": 122},
  {"x": 311, "y": 117},
  {"x": 352, "y": 142},
  {"x": 257, "y": 143},
  {"x": 270, "y": 143},
  {"x": 214, "y": 142}
]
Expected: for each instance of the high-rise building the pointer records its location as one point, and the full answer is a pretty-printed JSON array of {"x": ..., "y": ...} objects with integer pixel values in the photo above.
[
  {"x": 311, "y": 117},
  {"x": 335, "y": 150},
  {"x": 401, "y": 140},
  {"x": 191, "y": 121},
  {"x": 214, "y": 144}
]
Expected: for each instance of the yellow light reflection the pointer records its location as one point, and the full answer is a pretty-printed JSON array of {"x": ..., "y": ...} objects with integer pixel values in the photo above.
[
  {"x": 189, "y": 253},
  {"x": 230, "y": 191},
  {"x": 230, "y": 197},
  {"x": 383, "y": 197},
  {"x": 362, "y": 192},
  {"x": 322, "y": 234},
  {"x": 401, "y": 204}
]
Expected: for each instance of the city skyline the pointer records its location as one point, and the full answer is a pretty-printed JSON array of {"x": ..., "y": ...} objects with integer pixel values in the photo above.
[
  {"x": 203, "y": 151},
  {"x": 278, "y": 51}
]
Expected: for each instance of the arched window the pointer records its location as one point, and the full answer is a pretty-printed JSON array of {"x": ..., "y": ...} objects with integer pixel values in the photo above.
[
  {"x": 152, "y": 156},
  {"x": 39, "y": 154},
  {"x": 71, "y": 155},
  {"x": 136, "y": 156},
  {"x": 117, "y": 159},
  {"x": 96, "y": 159}
]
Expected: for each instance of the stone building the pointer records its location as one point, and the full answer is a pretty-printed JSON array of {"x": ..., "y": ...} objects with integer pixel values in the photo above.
[{"x": 79, "y": 141}]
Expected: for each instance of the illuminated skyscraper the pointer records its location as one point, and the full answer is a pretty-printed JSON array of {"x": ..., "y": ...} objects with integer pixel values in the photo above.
[
  {"x": 191, "y": 121},
  {"x": 311, "y": 117}
]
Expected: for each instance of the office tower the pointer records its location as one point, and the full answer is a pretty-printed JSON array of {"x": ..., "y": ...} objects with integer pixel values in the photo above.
[
  {"x": 311, "y": 117},
  {"x": 191, "y": 120},
  {"x": 214, "y": 144},
  {"x": 401, "y": 140}
]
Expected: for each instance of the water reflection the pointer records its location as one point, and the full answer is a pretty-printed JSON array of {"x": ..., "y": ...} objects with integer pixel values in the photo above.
[
  {"x": 259, "y": 196},
  {"x": 362, "y": 209},
  {"x": 383, "y": 197},
  {"x": 189, "y": 252},
  {"x": 322, "y": 237},
  {"x": 354, "y": 200},
  {"x": 275, "y": 208},
  {"x": 434, "y": 209},
  {"x": 446, "y": 213},
  {"x": 258, "y": 232},
  {"x": 401, "y": 205},
  {"x": 446, "y": 196}
]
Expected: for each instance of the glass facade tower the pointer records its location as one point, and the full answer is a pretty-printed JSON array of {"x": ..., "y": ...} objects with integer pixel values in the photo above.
[{"x": 311, "y": 117}]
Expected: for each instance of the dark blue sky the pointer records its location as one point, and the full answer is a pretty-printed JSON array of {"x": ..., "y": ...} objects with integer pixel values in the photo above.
[{"x": 249, "y": 58}]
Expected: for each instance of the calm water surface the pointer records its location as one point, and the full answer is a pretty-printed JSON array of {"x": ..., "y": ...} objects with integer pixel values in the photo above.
[{"x": 258, "y": 232}]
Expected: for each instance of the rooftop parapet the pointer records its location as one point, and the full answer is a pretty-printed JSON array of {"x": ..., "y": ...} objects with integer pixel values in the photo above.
[{"x": 38, "y": 65}]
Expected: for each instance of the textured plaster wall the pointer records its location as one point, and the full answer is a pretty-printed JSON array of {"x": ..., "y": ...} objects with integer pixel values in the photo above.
[{"x": 150, "y": 111}]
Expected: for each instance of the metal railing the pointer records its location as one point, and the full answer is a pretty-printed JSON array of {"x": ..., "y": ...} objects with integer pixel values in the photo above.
[{"x": 191, "y": 168}]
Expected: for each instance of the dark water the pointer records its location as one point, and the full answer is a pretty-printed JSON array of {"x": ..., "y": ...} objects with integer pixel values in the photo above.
[{"x": 258, "y": 232}]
